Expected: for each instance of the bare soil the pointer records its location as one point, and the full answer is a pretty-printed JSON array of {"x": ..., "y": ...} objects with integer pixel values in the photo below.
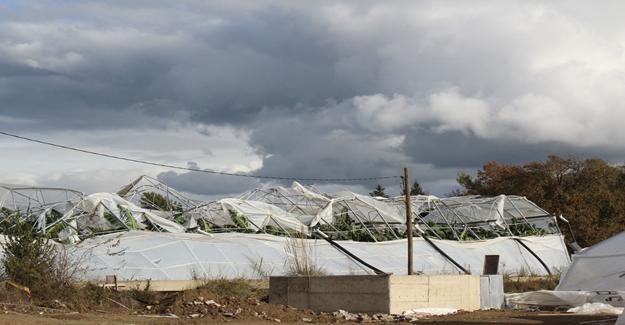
[
  {"x": 227, "y": 301},
  {"x": 478, "y": 317}
]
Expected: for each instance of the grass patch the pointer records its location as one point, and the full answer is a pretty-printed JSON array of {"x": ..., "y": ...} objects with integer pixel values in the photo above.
[
  {"x": 238, "y": 288},
  {"x": 529, "y": 283}
]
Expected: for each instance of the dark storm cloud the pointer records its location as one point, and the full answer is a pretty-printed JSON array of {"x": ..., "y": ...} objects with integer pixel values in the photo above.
[
  {"x": 334, "y": 89},
  {"x": 461, "y": 151}
]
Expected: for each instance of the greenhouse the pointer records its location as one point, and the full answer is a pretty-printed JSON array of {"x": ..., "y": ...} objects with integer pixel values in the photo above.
[
  {"x": 18, "y": 198},
  {"x": 162, "y": 233}
]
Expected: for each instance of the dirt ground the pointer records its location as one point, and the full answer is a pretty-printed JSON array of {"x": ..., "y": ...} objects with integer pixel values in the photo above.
[
  {"x": 479, "y": 317},
  {"x": 218, "y": 301}
]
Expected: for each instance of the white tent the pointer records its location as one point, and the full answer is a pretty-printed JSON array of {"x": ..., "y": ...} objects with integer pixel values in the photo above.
[{"x": 597, "y": 268}]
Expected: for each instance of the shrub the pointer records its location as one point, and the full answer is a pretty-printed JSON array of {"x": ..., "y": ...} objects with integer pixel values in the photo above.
[{"x": 29, "y": 258}]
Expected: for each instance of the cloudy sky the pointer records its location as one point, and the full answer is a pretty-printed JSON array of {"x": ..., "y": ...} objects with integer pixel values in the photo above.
[{"x": 306, "y": 89}]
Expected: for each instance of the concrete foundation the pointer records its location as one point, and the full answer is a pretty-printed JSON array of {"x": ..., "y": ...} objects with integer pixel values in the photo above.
[{"x": 388, "y": 294}]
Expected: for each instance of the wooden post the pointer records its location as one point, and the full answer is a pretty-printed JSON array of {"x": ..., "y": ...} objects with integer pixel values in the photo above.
[{"x": 408, "y": 219}]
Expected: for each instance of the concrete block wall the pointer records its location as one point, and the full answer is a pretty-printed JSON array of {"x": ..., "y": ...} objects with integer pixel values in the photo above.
[
  {"x": 355, "y": 293},
  {"x": 423, "y": 291},
  {"x": 376, "y": 293}
]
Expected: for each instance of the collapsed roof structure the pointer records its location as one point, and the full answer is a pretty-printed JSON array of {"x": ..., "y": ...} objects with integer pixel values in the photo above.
[
  {"x": 595, "y": 275},
  {"x": 600, "y": 267},
  {"x": 34, "y": 200},
  {"x": 160, "y": 233}
]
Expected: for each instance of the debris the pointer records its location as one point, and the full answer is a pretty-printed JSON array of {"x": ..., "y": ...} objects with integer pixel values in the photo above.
[
  {"x": 18, "y": 286},
  {"x": 344, "y": 314},
  {"x": 195, "y": 315},
  {"x": 118, "y": 303},
  {"x": 596, "y": 308},
  {"x": 59, "y": 304},
  {"x": 211, "y": 303},
  {"x": 307, "y": 320},
  {"x": 169, "y": 315}
]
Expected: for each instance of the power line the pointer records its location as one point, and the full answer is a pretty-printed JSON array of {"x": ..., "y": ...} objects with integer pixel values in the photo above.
[{"x": 208, "y": 171}]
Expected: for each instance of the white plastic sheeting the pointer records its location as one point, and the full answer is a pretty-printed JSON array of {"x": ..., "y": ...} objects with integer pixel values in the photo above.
[
  {"x": 596, "y": 308},
  {"x": 100, "y": 212},
  {"x": 261, "y": 214},
  {"x": 179, "y": 256},
  {"x": 597, "y": 268},
  {"x": 550, "y": 298}
]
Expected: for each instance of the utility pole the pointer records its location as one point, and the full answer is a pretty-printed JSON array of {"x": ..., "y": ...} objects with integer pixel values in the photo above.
[{"x": 408, "y": 219}]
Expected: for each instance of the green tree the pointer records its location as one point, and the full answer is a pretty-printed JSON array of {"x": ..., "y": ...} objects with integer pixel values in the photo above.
[
  {"x": 378, "y": 191},
  {"x": 28, "y": 257},
  {"x": 416, "y": 189}
]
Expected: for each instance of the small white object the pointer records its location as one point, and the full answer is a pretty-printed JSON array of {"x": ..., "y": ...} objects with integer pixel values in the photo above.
[{"x": 596, "y": 308}]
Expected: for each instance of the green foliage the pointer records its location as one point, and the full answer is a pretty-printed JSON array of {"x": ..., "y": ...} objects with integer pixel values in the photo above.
[
  {"x": 415, "y": 189},
  {"x": 273, "y": 230},
  {"x": 130, "y": 221},
  {"x": 6, "y": 212},
  {"x": 155, "y": 201},
  {"x": 114, "y": 221},
  {"x": 379, "y": 191},
  {"x": 344, "y": 228},
  {"x": 470, "y": 185},
  {"x": 28, "y": 257},
  {"x": 241, "y": 223},
  {"x": 205, "y": 226}
]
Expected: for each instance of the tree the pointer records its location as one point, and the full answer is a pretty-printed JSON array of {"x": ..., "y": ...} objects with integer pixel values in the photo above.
[
  {"x": 587, "y": 192},
  {"x": 379, "y": 191},
  {"x": 415, "y": 189}
]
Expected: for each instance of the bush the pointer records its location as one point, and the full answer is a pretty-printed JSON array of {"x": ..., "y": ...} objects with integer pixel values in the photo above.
[
  {"x": 29, "y": 258},
  {"x": 32, "y": 260}
]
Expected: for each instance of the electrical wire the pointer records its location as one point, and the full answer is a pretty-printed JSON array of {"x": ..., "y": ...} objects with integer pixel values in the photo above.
[{"x": 208, "y": 171}]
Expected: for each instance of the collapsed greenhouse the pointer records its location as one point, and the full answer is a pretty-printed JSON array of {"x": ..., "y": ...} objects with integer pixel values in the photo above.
[{"x": 148, "y": 230}]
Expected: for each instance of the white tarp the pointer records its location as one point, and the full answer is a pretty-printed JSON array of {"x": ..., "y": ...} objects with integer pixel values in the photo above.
[
  {"x": 178, "y": 256},
  {"x": 597, "y": 268}
]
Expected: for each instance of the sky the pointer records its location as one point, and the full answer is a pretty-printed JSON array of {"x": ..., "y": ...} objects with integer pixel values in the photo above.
[{"x": 323, "y": 89}]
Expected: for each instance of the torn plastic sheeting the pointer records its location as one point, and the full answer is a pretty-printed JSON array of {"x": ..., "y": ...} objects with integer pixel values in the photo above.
[
  {"x": 596, "y": 308},
  {"x": 566, "y": 298},
  {"x": 261, "y": 214},
  {"x": 91, "y": 210},
  {"x": 549, "y": 298}
]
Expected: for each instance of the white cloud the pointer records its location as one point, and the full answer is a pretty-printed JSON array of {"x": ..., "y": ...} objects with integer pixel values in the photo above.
[{"x": 334, "y": 89}]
